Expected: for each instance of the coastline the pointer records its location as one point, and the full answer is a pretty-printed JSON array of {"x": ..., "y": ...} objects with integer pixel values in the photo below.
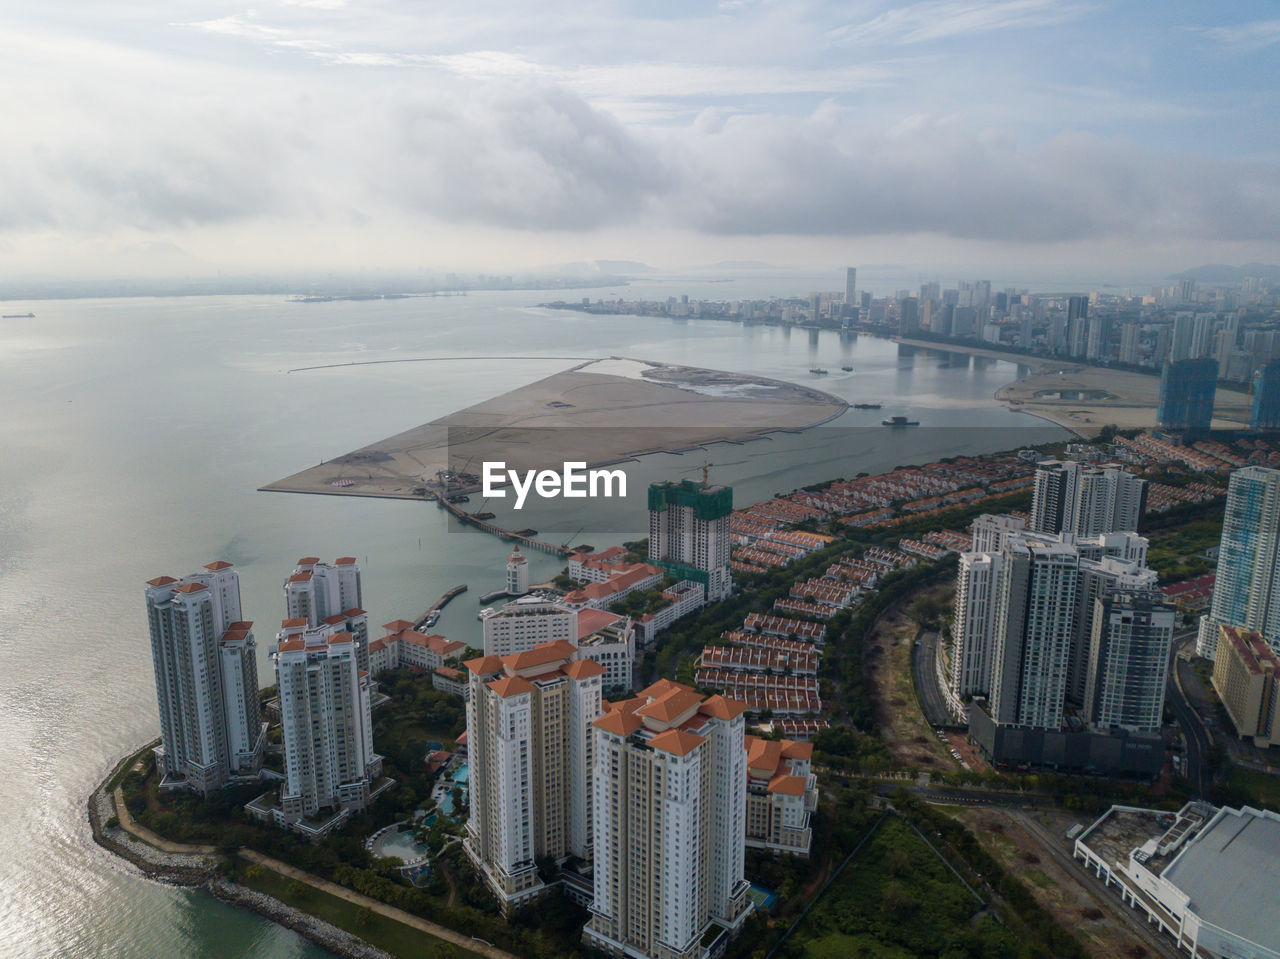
[{"x": 203, "y": 870}]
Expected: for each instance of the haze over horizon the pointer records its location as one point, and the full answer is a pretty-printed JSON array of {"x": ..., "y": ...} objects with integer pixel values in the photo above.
[{"x": 945, "y": 134}]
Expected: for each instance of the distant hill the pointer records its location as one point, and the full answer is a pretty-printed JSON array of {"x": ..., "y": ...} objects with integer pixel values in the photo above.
[
  {"x": 623, "y": 266},
  {"x": 1224, "y": 273}
]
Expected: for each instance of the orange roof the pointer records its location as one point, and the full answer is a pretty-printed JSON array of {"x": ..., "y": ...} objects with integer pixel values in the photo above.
[
  {"x": 787, "y": 785},
  {"x": 308, "y": 560},
  {"x": 215, "y": 567},
  {"x": 335, "y": 619},
  {"x": 722, "y": 708},
  {"x": 593, "y": 620},
  {"x": 353, "y": 611},
  {"x": 191, "y": 587},
  {"x": 243, "y": 624},
  {"x": 583, "y": 669},
  {"x": 303, "y": 577},
  {"x": 678, "y": 742},
  {"x": 511, "y": 686},
  {"x": 233, "y": 635},
  {"x": 345, "y": 561},
  {"x": 340, "y": 638},
  {"x": 161, "y": 581},
  {"x": 293, "y": 645},
  {"x": 293, "y": 621},
  {"x": 660, "y": 688},
  {"x": 794, "y": 750},
  {"x": 763, "y": 755},
  {"x": 397, "y": 625},
  {"x": 448, "y": 672},
  {"x": 540, "y": 655},
  {"x": 377, "y": 645},
  {"x": 619, "y": 722},
  {"x": 671, "y": 706},
  {"x": 484, "y": 664}
]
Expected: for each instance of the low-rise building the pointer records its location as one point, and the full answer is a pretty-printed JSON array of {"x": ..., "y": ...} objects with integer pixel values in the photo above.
[
  {"x": 1244, "y": 675},
  {"x": 782, "y": 793},
  {"x": 452, "y": 681}
]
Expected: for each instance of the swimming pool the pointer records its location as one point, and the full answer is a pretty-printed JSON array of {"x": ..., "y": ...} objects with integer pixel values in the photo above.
[
  {"x": 399, "y": 845},
  {"x": 462, "y": 774}
]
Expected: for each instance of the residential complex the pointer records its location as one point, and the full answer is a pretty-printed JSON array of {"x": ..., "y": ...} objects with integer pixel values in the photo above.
[
  {"x": 330, "y": 594},
  {"x": 1128, "y": 660},
  {"x": 1187, "y": 389},
  {"x": 669, "y": 818},
  {"x": 1247, "y": 589},
  {"x": 206, "y": 680},
  {"x": 1087, "y": 500}
]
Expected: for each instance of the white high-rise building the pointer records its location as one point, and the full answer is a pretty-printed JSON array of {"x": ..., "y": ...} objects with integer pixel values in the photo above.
[
  {"x": 207, "y": 695},
  {"x": 316, "y": 590},
  {"x": 670, "y": 791},
  {"x": 1132, "y": 630},
  {"x": 326, "y": 729},
  {"x": 1098, "y": 577},
  {"x": 977, "y": 590},
  {"x": 1247, "y": 589},
  {"x": 689, "y": 533},
  {"x": 1035, "y": 624},
  {"x": 525, "y": 623},
  {"x": 517, "y": 573},
  {"x": 991, "y": 532},
  {"x": 1071, "y": 497},
  {"x": 851, "y": 287},
  {"x": 530, "y": 747}
]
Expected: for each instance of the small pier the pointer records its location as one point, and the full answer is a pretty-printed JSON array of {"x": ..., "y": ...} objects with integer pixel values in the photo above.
[
  {"x": 498, "y": 531},
  {"x": 429, "y": 618}
]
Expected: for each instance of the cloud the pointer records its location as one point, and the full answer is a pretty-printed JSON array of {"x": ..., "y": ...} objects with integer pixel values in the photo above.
[
  {"x": 942, "y": 19},
  {"x": 1246, "y": 36}
]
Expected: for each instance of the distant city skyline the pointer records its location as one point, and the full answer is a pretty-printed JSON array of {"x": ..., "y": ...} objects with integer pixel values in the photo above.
[{"x": 320, "y": 134}]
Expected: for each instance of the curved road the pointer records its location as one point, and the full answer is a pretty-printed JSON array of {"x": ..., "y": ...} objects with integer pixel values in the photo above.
[{"x": 1199, "y": 743}]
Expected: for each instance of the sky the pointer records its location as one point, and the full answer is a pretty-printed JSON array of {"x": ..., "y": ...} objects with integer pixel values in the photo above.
[{"x": 189, "y": 136}]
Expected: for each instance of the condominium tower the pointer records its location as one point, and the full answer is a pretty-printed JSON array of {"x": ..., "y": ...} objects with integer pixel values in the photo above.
[
  {"x": 529, "y": 742},
  {"x": 1129, "y": 660},
  {"x": 1247, "y": 589},
  {"x": 206, "y": 680},
  {"x": 1071, "y": 497},
  {"x": 689, "y": 533},
  {"x": 670, "y": 794}
]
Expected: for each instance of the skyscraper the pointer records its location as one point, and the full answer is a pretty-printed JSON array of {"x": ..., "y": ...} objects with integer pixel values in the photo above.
[
  {"x": 1077, "y": 325},
  {"x": 977, "y": 589},
  {"x": 1129, "y": 660},
  {"x": 670, "y": 790},
  {"x": 529, "y": 742},
  {"x": 1086, "y": 500},
  {"x": 1247, "y": 589},
  {"x": 206, "y": 680},
  {"x": 908, "y": 317},
  {"x": 1131, "y": 344},
  {"x": 325, "y": 726},
  {"x": 1187, "y": 389},
  {"x": 851, "y": 288},
  {"x": 330, "y": 594},
  {"x": 1265, "y": 414},
  {"x": 689, "y": 533},
  {"x": 1098, "y": 577}
]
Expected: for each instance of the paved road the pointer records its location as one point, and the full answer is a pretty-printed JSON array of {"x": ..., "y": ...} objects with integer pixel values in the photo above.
[
  {"x": 391, "y": 912},
  {"x": 1199, "y": 744},
  {"x": 924, "y": 673}
]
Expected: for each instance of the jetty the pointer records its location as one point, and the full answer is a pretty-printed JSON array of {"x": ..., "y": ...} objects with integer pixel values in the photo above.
[
  {"x": 428, "y": 619},
  {"x": 507, "y": 534}
]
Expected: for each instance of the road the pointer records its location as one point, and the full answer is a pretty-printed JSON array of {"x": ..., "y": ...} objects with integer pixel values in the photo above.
[
  {"x": 1199, "y": 744},
  {"x": 934, "y": 706}
]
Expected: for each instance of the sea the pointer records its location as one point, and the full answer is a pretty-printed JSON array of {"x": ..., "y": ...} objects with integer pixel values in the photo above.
[{"x": 134, "y": 434}]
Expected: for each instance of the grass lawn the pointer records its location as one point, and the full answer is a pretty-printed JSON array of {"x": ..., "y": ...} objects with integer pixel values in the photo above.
[
  {"x": 395, "y": 937},
  {"x": 1261, "y": 787},
  {"x": 897, "y": 899}
]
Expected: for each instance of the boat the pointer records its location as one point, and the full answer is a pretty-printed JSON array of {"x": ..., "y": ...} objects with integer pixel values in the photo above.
[
  {"x": 482, "y": 516},
  {"x": 819, "y": 371},
  {"x": 866, "y": 406},
  {"x": 847, "y": 369},
  {"x": 899, "y": 421},
  {"x": 433, "y": 617},
  {"x": 18, "y": 316}
]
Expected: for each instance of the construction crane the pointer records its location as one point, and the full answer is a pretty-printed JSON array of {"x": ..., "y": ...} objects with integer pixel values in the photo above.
[
  {"x": 704, "y": 467},
  {"x": 573, "y": 537}
]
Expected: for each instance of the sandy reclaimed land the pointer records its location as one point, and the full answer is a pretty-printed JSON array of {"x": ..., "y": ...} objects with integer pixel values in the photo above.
[
  {"x": 603, "y": 411},
  {"x": 1107, "y": 396}
]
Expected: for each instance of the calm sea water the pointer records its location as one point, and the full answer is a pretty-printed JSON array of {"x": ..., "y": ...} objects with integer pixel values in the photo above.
[{"x": 135, "y": 434}]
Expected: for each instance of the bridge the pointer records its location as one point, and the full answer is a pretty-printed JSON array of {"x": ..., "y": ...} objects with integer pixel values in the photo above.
[{"x": 529, "y": 541}]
